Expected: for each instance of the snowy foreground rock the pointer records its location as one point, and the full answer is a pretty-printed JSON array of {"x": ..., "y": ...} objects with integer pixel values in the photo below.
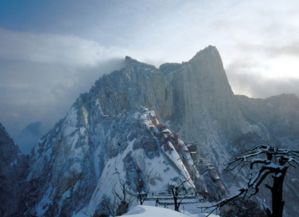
[
  {"x": 151, "y": 211},
  {"x": 159, "y": 125}
]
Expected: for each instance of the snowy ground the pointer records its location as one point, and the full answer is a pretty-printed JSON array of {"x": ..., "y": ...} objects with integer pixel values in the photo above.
[{"x": 152, "y": 211}]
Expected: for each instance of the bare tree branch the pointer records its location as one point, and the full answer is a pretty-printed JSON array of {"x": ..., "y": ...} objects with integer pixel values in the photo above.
[{"x": 265, "y": 160}]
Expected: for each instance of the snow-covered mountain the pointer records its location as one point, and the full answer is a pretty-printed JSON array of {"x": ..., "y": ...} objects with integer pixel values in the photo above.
[
  {"x": 88, "y": 154},
  {"x": 113, "y": 131},
  {"x": 161, "y": 125}
]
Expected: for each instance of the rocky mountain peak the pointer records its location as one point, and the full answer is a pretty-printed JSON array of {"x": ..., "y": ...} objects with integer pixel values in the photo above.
[
  {"x": 130, "y": 60},
  {"x": 131, "y": 63},
  {"x": 190, "y": 96},
  {"x": 208, "y": 64},
  {"x": 208, "y": 52}
]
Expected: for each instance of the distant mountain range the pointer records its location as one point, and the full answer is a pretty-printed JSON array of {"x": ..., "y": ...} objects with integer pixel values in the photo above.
[
  {"x": 29, "y": 136},
  {"x": 162, "y": 125}
]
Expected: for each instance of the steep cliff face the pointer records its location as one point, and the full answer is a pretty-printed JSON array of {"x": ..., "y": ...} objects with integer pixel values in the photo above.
[
  {"x": 205, "y": 110},
  {"x": 10, "y": 174}
]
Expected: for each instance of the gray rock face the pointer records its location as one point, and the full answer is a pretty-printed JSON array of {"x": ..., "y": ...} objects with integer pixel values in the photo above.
[
  {"x": 193, "y": 98},
  {"x": 205, "y": 111},
  {"x": 10, "y": 174}
]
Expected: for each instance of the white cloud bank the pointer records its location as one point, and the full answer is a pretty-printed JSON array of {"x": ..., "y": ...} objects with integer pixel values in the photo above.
[
  {"x": 42, "y": 74},
  {"x": 53, "y": 48}
]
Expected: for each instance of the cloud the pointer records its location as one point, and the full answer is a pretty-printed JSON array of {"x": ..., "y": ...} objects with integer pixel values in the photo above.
[
  {"x": 271, "y": 49},
  {"x": 244, "y": 80},
  {"x": 54, "y": 48},
  {"x": 42, "y": 91},
  {"x": 290, "y": 49},
  {"x": 43, "y": 74}
]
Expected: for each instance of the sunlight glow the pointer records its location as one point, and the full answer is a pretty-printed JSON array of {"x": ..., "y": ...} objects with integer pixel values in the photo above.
[{"x": 282, "y": 67}]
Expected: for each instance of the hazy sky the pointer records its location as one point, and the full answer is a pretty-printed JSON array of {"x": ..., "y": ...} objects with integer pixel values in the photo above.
[{"x": 52, "y": 50}]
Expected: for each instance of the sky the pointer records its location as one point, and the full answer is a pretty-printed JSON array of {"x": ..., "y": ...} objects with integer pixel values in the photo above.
[{"x": 53, "y": 50}]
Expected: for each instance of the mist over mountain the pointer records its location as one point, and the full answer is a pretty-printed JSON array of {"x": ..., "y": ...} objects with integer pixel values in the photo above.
[
  {"x": 30, "y": 136},
  {"x": 160, "y": 125},
  {"x": 39, "y": 91}
]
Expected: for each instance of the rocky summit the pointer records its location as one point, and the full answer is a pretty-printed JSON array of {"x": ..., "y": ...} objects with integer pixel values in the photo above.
[{"x": 160, "y": 125}]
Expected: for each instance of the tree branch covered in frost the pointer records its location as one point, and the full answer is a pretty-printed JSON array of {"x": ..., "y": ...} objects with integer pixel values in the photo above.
[{"x": 263, "y": 161}]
